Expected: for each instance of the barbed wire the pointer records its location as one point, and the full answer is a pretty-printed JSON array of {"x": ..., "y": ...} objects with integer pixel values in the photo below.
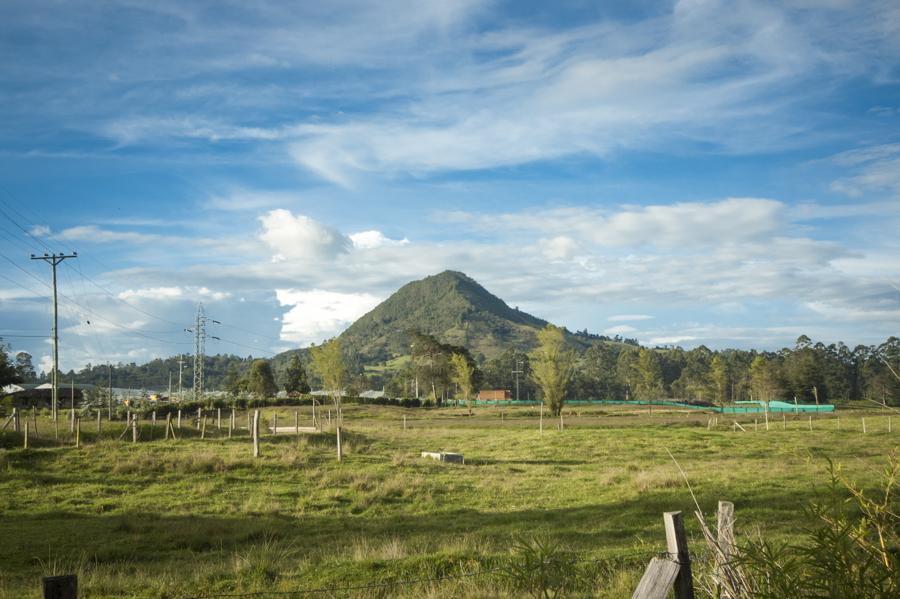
[{"x": 638, "y": 554}]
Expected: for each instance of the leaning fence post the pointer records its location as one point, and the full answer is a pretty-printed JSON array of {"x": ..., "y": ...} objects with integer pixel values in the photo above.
[
  {"x": 60, "y": 587},
  {"x": 676, "y": 542}
]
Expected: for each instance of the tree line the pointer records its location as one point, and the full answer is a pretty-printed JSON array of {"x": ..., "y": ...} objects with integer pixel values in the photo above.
[{"x": 810, "y": 371}]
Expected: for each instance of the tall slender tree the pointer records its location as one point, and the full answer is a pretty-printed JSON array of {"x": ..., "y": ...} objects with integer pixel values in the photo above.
[
  {"x": 552, "y": 365},
  {"x": 328, "y": 363}
]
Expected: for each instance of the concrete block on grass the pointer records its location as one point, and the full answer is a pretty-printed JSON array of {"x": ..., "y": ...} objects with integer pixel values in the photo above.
[{"x": 442, "y": 456}]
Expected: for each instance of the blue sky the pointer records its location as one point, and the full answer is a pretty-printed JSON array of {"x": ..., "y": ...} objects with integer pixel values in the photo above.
[{"x": 683, "y": 173}]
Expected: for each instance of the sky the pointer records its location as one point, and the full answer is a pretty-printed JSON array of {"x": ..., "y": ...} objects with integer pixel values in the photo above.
[{"x": 692, "y": 172}]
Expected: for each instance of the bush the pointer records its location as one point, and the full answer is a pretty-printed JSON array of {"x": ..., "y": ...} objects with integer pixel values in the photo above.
[{"x": 852, "y": 551}]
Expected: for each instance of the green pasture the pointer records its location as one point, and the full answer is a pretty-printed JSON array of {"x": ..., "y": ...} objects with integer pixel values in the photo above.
[{"x": 196, "y": 517}]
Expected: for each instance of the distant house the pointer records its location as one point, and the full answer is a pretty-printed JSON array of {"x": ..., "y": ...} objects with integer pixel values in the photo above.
[
  {"x": 372, "y": 394},
  {"x": 27, "y": 395},
  {"x": 494, "y": 394}
]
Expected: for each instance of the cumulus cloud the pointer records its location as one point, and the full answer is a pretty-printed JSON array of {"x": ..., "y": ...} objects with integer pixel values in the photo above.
[
  {"x": 315, "y": 315},
  {"x": 367, "y": 240},
  {"x": 298, "y": 237}
]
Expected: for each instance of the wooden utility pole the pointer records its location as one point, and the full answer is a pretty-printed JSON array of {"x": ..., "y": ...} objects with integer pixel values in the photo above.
[{"x": 53, "y": 260}]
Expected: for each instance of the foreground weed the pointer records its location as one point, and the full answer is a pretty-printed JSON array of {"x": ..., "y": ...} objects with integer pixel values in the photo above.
[{"x": 540, "y": 567}]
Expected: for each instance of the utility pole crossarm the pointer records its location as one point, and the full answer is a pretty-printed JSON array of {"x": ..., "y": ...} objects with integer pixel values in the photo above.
[{"x": 53, "y": 260}]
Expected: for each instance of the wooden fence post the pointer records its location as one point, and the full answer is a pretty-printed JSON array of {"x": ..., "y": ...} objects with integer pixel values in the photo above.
[
  {"x": 677, "y": 547},
  {"x": 275, "y": 423},
  {"x": 60, "y": 587},
  {"x": 26, "y": 434},
  {"x": 218, "y": 419},
  {"x": 203, "y": 428},
  {"x": 15, "y": 419},
  {"x": 404, "y": 422},
  {"x": 168, "y": 424},
  {"x": 231, "y": 424},
  {"x": 77, "y": 433},
  {"x": 199, "y": 417},
  {"x": 810, "y": 423},
  {"x": 99, "y": 417},
  {"x": 340, "y": 452},
  {"x": 725, "y": 529},
  {"x": 864, "y": 424},
  {"x": 134, "y": 429},
  {"x": 254, "y": 432},
  {"x": 179, "y": 418}
]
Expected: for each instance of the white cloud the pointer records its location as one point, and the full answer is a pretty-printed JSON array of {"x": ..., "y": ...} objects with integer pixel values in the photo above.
[
  {"x": 40, "y": 231},
  {"x": 875, "y": 168},
  {"x": 96, "y": 234},
  {"x": 367, "y": 240},
  {"x": 681, "y": 225},
  {"x": 622, "y": 329},
  {"x": 299, "y": 237},
  {"x": 157, "y": 293},
  {"x": 673, "y": 340},
  {"x": 560, "y": 247},
  {"x": 317, "y": 314},
  {"x": 629, "y": 317},
  {"x": 45, "y": 364}
]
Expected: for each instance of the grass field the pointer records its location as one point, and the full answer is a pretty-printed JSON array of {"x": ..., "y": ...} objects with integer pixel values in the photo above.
[{"x": 197, "y": 517}]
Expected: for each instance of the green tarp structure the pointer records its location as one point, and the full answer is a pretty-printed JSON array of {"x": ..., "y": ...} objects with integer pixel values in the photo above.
[{"x": 742, "y": 407}]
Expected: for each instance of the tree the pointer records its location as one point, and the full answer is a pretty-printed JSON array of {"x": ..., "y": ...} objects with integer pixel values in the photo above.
[
  {"x": 8, "y": 372},
  {"x": 462, "y": 375},
  {"x": 762, "y": 380},
  {"x": 260, "y": 380},
  {"x": 24, "y": 367},
  {"x": 235, "y": 383},
  {"x": 328, "y": 364},
  {"x": 718, "y": 377},
  {"x": 649, "y": 373},
  {"x": 296, "y": 377},
  {"x": 552, "y": 366}
]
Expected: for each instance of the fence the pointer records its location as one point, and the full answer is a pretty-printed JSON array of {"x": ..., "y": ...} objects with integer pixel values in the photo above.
[{"x": 667, "y": 571}]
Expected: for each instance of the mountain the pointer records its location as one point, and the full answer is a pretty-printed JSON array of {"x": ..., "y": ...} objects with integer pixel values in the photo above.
[{"x": 451, "y": 306}]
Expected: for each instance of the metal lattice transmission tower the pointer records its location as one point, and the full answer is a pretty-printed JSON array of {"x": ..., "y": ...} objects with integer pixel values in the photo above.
[{"x": 200, "y": 337}]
